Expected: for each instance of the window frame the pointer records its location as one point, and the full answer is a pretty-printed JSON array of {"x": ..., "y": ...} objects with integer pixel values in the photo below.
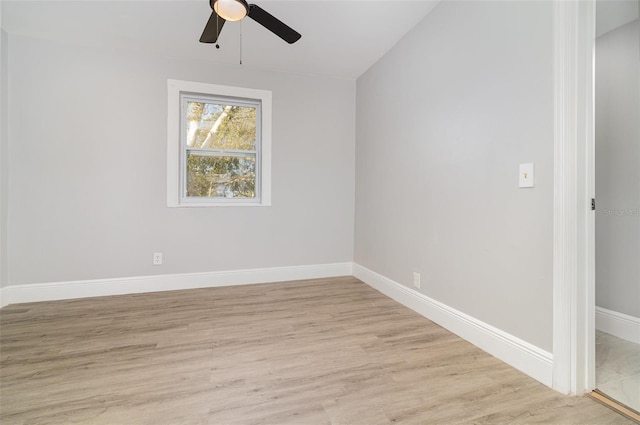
[
  {"x": 177, "y": 90},
  {"x": 185, "y": 150}
]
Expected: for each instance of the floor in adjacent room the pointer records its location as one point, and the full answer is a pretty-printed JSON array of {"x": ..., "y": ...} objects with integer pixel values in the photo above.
[
  {"x": 327, "y": 351},
  {"x": 618, "y": 369}
]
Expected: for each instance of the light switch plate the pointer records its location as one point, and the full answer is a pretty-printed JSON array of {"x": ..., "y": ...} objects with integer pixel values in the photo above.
[{"x": 526, "y": 175}]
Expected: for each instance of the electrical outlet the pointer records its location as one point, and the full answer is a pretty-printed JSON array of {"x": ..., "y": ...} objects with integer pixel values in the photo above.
[
  {"x": 157, "y": 258},
  {"x": 416, "y": 280}
]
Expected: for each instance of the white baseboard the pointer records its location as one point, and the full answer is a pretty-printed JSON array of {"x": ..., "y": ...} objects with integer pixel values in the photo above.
[
  {"x": 618, "y": 324},
  {"x": 133, "y": 285},
  {"x": 520, "y": 354}
]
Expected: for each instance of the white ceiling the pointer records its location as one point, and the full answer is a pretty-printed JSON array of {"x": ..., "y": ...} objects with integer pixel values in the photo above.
[
  {"x": 611, "y": 14},
  {"x": 339, "y": 38}
]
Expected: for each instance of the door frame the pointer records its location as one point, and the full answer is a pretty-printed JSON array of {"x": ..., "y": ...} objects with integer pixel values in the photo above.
[{"x": 574, "y": 187}]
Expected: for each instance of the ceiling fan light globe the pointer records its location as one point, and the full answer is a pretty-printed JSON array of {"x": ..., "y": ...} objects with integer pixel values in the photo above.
[{"x": 231, "y": 10}]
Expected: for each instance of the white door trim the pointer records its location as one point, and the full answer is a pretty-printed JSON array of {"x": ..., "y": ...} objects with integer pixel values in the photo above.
[{"x": 573, "y": 220}]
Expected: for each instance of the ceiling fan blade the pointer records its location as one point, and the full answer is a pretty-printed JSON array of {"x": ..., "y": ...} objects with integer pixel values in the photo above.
[
  {"x": 212, "y": 29},
  {"x": 273, "y": 24}
]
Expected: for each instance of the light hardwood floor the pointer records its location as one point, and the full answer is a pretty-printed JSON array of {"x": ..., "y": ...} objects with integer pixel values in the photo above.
[{"x": 330, "y": 351}]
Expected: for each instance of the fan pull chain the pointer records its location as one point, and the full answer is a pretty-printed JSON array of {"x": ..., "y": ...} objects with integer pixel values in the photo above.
[
  {"x": 217, "y": 31},
  {"x": 240, "y": 42}
]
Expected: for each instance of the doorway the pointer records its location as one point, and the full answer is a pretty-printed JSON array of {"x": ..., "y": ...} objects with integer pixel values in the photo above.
[{"x": 617, "y": 189}]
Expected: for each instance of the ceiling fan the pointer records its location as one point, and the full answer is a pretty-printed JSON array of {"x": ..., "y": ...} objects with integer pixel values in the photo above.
[{"x": 234, "y": 10}]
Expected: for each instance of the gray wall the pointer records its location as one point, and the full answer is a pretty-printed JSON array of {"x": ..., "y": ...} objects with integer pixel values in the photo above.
[
  {"x": 617, "y": 169},
  {"x": 4, "y": 157},
  {"x": 443, "y": 120},
  {"x": 87, "y": 195}
]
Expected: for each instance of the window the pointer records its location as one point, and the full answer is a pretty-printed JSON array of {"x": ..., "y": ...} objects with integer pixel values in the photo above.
[{"x": 219, "y": 145}]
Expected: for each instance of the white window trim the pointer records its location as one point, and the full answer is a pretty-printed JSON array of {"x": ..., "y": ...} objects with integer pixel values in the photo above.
[{"x": 174, "y": 89}]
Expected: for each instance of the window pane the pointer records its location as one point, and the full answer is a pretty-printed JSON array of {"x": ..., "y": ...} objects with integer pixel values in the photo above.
[
  {"x": 221, "y": 176},
  {"x": 215, "y": 125}
]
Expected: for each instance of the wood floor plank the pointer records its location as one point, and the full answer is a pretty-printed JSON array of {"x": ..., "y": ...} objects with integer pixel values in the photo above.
[{"x": 325, "y": 351}]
